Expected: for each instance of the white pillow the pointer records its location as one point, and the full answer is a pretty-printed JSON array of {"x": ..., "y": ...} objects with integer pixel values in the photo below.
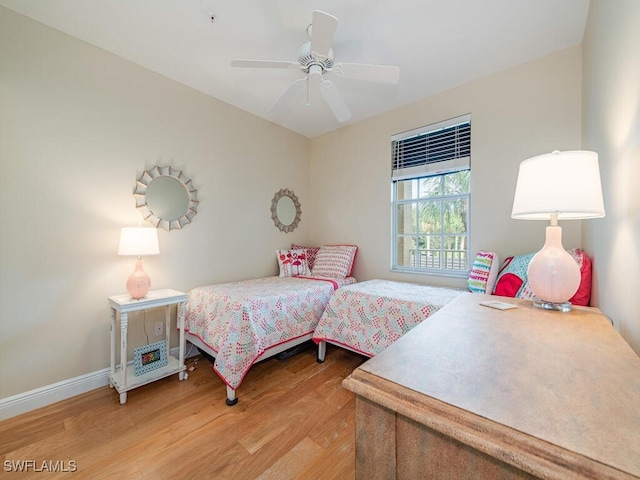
[{"x": 293, "y": 263}]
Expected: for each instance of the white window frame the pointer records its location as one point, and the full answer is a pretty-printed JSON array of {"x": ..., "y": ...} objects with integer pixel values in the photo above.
[{"x": 419, "y": 167}]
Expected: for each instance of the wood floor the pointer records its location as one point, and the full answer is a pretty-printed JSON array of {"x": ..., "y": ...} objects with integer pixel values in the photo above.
[{"x": 293, "y": 421}]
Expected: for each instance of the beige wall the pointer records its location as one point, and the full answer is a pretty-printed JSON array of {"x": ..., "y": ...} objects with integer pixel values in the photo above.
[
  {"x": 611, "y": 127},
  {"x": 77, "y": 126},
  {"x": 525, "y": 111}
]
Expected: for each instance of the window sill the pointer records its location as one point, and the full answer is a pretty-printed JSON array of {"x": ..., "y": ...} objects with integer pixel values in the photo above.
[{"x": 433, "y": 273}]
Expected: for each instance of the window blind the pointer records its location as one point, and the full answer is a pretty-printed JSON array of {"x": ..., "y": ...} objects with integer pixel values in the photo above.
[{"x": 433, "y": 149}]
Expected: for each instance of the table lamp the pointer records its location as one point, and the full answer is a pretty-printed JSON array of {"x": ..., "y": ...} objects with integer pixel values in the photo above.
[
  {"x": 138, "y": 241},
  {"x": 557, "y": 186}
]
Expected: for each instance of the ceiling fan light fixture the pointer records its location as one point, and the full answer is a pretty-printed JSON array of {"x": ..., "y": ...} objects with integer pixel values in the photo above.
[{"x": 315, "y": 70}]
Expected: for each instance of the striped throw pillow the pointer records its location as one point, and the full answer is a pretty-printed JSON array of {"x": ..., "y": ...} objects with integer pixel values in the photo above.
[
  {"x": 334, "y": 261},
  {"x": 484, "y": 271}
]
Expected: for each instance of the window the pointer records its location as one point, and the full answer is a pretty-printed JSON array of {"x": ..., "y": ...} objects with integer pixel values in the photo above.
[{"x": 431, "y": 195}]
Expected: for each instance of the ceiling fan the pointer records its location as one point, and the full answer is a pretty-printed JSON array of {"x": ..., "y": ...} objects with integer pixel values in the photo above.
[{"x": 315, "y": 59}]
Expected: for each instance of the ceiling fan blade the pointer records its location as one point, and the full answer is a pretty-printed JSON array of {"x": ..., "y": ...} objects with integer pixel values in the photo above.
[
  {"x": 370, "y": 73},
  {"x": 323, "y": 28},
  {"x": 286, "y": 96},
  {"x": 335, "y": 101},
  {"x": 263, "y": 63}
]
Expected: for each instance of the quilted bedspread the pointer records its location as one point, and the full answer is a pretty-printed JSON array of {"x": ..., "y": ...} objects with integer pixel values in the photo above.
[
  {"x": 369, "y": 316},
  {"x": 241, "y": 320}
]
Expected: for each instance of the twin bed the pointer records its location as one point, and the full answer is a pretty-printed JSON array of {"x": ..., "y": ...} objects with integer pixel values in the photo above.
[
  {"x": 369, "y": 316},
  {"x": 241, "y": 323}
]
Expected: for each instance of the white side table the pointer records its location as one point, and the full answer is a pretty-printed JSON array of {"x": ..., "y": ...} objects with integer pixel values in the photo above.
[{"x": 123, "y": 376}]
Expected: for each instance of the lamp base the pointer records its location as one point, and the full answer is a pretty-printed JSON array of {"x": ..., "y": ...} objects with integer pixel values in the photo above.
[
  {"x": 138, "y": 283},
  {"x": 556, "y": 306},
  {"x": 554, "y": 276}
]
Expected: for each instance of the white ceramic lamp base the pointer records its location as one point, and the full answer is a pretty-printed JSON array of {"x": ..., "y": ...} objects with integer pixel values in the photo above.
[{"x": 553, "y": 274}]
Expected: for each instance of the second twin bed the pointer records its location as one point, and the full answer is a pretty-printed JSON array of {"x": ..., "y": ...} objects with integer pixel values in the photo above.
[{"x": 369, "y": 316}]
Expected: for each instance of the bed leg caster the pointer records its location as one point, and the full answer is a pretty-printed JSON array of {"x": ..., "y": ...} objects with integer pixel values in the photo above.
[
  {"x": 322, "y": 351},
  {"x": 231, "y": 397}
]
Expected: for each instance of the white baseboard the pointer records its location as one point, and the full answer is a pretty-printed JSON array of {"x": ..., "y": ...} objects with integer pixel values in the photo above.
[
  {"x": 47, "y": 395},
  {"x": 43, "y": 396}
]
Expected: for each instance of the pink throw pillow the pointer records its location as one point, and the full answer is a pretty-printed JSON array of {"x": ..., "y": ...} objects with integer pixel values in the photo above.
[{"x": 583, "y": 295}]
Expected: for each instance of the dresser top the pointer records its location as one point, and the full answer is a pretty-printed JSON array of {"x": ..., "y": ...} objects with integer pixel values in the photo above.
[{"x": 568, "y": 379}]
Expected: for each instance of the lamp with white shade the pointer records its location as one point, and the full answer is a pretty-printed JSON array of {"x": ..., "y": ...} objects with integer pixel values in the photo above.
[
  {"x": 557, "y": 186},
  {"x": 138, "y": 241}
]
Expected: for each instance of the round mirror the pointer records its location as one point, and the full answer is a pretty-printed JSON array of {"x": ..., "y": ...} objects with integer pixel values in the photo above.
[
  {"x": 285, "y": 210},
  {"x": 166, "y": 197}
]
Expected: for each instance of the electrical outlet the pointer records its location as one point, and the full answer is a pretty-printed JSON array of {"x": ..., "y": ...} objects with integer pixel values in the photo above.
[{"x": 158, "y": 329}]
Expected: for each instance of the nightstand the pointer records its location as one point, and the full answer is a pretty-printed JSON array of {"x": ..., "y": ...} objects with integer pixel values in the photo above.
[{"x": 123, "y": 377}]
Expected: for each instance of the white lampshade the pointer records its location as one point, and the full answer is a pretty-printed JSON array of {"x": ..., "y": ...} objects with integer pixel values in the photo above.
[
  {"x": 565, "y": 183},
  {"x": 557, "y": 186},
  {"x": 138, "y": 241}
]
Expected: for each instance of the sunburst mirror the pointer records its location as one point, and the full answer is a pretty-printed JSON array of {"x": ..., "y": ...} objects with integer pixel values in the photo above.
[
  {"x": 166, "y": 197},
  {"x": 285, "y": 210}
]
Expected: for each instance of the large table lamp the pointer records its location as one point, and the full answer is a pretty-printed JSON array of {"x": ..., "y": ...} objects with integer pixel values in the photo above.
[
  {"x": 557, "y": 186},
  {"x": 138, "y": 241}
]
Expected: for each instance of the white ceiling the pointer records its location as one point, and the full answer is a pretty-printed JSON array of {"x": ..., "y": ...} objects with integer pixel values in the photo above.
[{"x": 438, "y": 44}]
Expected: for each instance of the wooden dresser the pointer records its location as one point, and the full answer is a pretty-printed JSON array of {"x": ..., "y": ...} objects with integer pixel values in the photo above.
[{"x": 474, "y": 393}]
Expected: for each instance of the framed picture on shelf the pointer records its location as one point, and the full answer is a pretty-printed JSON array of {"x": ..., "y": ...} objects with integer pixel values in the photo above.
[{"x": 150, "y": 357}]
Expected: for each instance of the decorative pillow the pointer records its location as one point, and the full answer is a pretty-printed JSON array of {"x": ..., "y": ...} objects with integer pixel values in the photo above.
[
  {"x": 334, "y": 261},
  {"x": 583, "y": 295},
  {"x": 512, "y": 277},
  {"x": 484, "y": 272},
  {"x": 513, "y": 281},
  {"x": 310, "y": 251},
  {"x": 293, "y": 263}
]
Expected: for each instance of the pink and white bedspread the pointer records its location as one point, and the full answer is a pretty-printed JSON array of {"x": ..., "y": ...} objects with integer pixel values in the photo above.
[
  {"x": 370, "y": 316},
  {"x": 241, "y": 320}
]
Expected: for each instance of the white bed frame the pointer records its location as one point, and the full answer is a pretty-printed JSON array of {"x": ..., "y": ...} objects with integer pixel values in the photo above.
[{"x": 232, "y": 399}]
